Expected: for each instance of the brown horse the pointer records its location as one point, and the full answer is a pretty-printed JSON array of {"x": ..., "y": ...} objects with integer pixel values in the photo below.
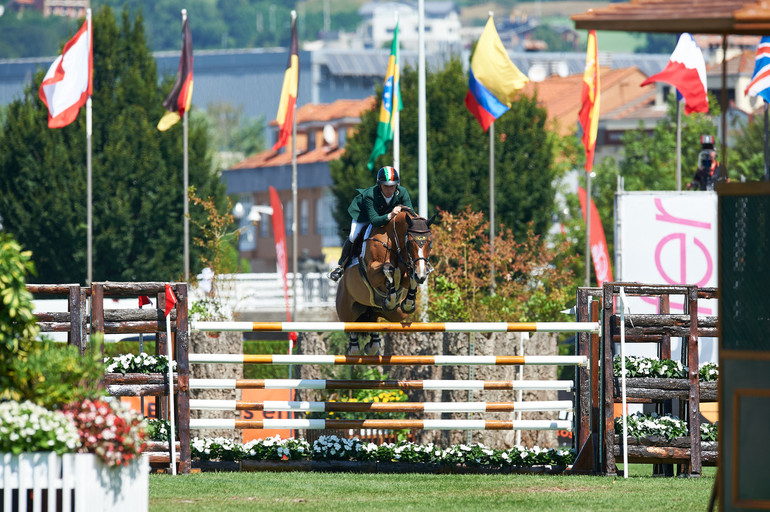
[{"x": 383, "y": 284}]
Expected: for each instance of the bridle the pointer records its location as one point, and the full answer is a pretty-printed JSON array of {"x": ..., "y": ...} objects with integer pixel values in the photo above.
[{"x": 418, "y": 237}]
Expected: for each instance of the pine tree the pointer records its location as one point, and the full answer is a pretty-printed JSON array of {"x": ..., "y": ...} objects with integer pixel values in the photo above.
[{"x": 136, "y": 170}]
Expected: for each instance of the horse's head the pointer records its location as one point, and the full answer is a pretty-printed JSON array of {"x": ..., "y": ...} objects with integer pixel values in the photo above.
[{"x": 418, "y": 244}]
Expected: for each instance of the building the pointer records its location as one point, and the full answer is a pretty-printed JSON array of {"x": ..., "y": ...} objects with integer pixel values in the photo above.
[
  {"x": 442, "y": 25},
  {"x": 322, "y": 130},
  {"x": 69, "y": 8}
]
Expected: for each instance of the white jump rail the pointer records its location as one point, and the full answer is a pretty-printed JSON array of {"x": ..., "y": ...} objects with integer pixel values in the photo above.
[
  {"x": 590, "y": 327},
  {"x": 462, "y": 385},
  {"x": 304, "y": 406},
  {"x": 280, "y": 359},
  {"x": 311, "y": 424}
]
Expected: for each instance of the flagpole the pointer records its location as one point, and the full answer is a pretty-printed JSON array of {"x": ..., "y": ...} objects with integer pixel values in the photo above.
[
  {"x": 422, "y": 142},
  {"x": 492, "y": 208},
  {"x": 89, "y": 130},
  {"x": 588, "y": 228},
  {"x": 293, "y": 212},
  {"x": 492, "y": 202},
  {"x": 678, "y": 145},
  {"x": 394, "y": 107},
  {"x": 186, "y": 184}
]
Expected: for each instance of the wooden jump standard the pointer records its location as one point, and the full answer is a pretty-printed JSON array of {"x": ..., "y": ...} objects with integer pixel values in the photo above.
[
  {"x": 301, "y": 406},
  {"x": 276, "y": 359},
  {"x": 592, "y": 327},
  {"x": 225, "y": 423}
]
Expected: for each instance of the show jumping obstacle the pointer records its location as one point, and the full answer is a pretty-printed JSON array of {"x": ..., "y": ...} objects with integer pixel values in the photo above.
[{"x": 594, "y": 386}]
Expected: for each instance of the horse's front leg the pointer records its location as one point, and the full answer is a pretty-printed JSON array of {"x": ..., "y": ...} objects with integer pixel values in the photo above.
[
  {"x": 389, "y": 302},
  {"x": 353, "y": 348},
  {"x": 373, "y": 347},
  {"x": 410, "y": 301}
]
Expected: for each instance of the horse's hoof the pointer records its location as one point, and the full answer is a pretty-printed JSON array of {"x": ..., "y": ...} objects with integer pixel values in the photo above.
[
  {"x": 372, "y": 348},
  {"x": 354, "y": 349},
  {"x": 408, "y": 309}
]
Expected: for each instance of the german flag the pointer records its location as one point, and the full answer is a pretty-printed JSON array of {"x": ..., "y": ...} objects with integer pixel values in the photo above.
[
  {"x": 178, "y": 101},
  {"x": 288, "y": 102}
]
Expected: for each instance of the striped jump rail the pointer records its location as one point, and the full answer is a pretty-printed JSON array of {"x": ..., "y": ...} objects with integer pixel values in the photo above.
[
  {"x": 303, "y": 406},
  {"x": 591, "y": 327},
  {"x": 279, "y": 359},
  {"x": 405, "y": 385},
  {"x": 224, "y": 423}
]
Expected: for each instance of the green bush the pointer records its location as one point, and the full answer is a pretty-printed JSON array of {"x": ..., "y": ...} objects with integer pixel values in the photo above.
[{"x": 46, "y": 373}]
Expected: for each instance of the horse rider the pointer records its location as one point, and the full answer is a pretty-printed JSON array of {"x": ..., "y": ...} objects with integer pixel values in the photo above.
[{"x": 375, "y": 205}]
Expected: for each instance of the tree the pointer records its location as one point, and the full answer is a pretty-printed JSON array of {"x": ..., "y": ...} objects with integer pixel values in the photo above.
[
  {"x": 137, "y": 171},
  {"x": 458, "y": 155},
  {"x": 747, "y": 154}
]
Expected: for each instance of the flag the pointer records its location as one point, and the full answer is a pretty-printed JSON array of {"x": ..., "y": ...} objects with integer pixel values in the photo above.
[
  {"x": 391, "y": 102},
  {"x": 170, "y": 299},
  {"x": 288, "y": 102},
  {"x": 589, "y": 112},
  {"x": 69, "y": 81},
  {"x": 279, "y": 234},
  {"x": 493, "y": 79},
  {"x": 180, "y": 97},
  {"x": 598, "y": 243},
  {"x": 760, "y": 80},
  {"x": 686, "y": 70},
  {"x": 144, "y": 300}
]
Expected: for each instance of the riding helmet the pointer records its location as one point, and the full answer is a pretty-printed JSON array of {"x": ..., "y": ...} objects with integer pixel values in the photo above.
[{"x": 388, "y": 175}]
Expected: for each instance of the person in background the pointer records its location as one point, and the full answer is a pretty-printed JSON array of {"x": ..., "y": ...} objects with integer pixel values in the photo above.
[{"x": 709, "y": 170}]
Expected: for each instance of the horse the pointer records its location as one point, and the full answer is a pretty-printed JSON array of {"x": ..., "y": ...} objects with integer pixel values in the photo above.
[{"x": 383, "y": 283}]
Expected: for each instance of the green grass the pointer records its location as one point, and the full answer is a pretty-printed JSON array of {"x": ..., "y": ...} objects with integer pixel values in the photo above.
[{"x": 335, "y": 492}]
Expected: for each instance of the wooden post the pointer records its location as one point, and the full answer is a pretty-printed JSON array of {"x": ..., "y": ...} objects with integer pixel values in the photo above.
[
  {"x": 75, "y": 335},
  {"x": 97, "y": 311},
  {"x": 608, "y": 398},
  {"x": 694, "y": 395},
  {"x": 183, "y": 378},
  {"x": 583, "y": 388}
]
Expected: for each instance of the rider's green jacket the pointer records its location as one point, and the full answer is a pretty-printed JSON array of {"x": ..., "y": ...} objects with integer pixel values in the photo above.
[{"x": 370, "y": 205}]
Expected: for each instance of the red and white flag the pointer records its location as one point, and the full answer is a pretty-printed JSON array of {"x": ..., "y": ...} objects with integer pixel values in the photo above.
[
  {"x": 686, "y": 70},
  {"x": 144, "y": 300},
  {"x": 69, "y": 81},
  {"x": 170, "y": 299},
  {"x": 599, "y": 252}
]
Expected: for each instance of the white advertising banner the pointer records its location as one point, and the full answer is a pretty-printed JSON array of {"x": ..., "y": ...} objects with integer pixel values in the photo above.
[{"x": 668, "y": 238}]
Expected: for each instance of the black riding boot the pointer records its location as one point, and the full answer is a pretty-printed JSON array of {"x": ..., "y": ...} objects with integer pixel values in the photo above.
[{"x": 337, "y": 272}]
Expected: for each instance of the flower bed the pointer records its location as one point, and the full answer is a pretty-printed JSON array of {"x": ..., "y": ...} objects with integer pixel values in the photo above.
[
  {"x": 141, "y": 363},
  {"x": 637, "y": 366},
  {"x": 332, "y": 449}
]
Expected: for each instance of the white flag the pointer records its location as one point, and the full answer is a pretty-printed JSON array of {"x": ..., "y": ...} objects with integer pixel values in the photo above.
[{"x": 68, "y": 83}]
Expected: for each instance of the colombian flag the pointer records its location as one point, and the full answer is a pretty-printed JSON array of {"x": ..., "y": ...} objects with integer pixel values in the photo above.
[
  {"x": 589, "y": 112},
  {"x": 178, "y": 101},
  {"x": 493, "y": 80},
  {"x": 286, "y": 107},
  {"x": 391, "y": 102}
]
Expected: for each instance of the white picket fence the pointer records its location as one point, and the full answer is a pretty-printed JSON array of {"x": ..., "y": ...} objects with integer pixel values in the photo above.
[
  {"x": 265, "y": 291},
  {"x": 79, "y": 482}
]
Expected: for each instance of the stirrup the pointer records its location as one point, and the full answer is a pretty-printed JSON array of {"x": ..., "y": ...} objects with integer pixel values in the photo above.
[
  {"x": 353, "y": 349},
  {"x": 336, "y": 273}
]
